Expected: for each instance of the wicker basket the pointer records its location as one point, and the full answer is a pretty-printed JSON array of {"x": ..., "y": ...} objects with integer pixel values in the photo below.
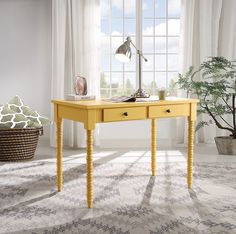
[{"x": 18, "y": 144}]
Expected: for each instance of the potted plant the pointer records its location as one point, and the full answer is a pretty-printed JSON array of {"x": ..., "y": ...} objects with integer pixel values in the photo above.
[{"x": 216, "y": 90}]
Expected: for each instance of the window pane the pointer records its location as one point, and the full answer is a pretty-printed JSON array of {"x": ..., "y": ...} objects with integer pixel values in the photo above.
[
  {"x": 148, "y": 6},
  {"x": 105, "y": 93},
  {"x": 128, "y": 92},
  {"x": 160, "y": 8},
  {"x": 160, "y": 44},
  {"x": 148, "y": 27},
  {"x": 148, "y": 45},
  {"x": 116, "y": 65},
  {"x": 105, "y": 8},
  {"x": 173, "y": 44},
  {"x": 160, "y": 27},
  {"x": 172, "y": 86},
  {"x": 172, "y": 78},
  {"x": 173, "y": 62},
  {"x": 117, "y": 8},
  {"x": 105, "y": 80},
  {"x": 174, "y": 8},
  {"x": 148, "y": 66},
  {"x": 129, "y": 8},
  {"x": 154, "y": 84},
  {"x": 160, "y": 62},
  {"x": 115, "y": 43},
  {"x": 160, "y": 78},
  {"x": 105, "y": 45},
  {"x": 129, "y": 27},
  {"x": 147, "y": 78},
  {"x": 105, "y": 62},
  {"x": 117, "y": 92},
  {"x": 117, "y": 80},
  {"x": 131, "y": 65},
  {"x": 105, "y": 27},
  {"x": 130, "y": 80},
  {"x": 173, "y": 27},
  {"x": 117, "y": 27}
]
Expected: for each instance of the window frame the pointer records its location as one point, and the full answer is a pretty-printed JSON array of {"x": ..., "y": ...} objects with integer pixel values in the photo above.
[{"x": 138, "y": 17}]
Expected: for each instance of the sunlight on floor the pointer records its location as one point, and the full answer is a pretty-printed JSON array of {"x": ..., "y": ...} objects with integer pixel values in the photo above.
[{"x": 137, "y": 156}]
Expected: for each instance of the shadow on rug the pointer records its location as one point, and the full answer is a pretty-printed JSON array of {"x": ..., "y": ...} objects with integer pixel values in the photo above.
[{"x": 126, "y": 199}]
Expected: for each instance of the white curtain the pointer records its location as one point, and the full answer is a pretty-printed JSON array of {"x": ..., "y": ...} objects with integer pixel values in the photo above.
[
  {"x": 208, "y": 28},
  {"x": 75, "y": 51}
]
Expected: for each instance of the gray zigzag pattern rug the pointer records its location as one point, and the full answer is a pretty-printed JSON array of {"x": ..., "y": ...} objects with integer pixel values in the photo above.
[{"x": 127, "y": 200}]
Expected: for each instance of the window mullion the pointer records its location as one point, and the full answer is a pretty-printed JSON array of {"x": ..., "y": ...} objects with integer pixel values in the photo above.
[
  {"x": 110, "y": 37},
  {"x": 123, "y": 65},
  {"x": 138, "y": 35},
  {"x": 154, "y": 47},
  {"x": 167, "y": 34}
]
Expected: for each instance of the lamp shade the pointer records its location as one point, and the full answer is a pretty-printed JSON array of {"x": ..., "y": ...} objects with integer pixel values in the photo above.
[{"x": 123, "y": 53}]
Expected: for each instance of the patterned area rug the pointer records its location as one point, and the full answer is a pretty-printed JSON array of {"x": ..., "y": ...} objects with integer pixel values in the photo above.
[{"x": 126, "y": 199}]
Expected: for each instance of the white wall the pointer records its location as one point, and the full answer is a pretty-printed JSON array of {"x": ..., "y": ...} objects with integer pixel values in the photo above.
[{"x": 25, "y": 52}]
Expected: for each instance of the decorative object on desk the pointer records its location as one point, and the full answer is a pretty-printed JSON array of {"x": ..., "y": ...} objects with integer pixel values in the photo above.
[
  {"x": 80, "y": 85},
  {"x": 163, "y": 93},
  {"x": 73, "y": 97},
  {"x": 123, "y": 54},
  {"x": 20, "y": 127},
  {"x": 216, "y": 91}
]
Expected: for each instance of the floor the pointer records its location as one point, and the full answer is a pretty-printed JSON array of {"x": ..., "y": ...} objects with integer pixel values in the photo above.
[{"x": 125, "y": 200}]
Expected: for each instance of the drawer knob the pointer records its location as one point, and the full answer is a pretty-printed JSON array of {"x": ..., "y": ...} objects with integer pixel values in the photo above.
[
  {"x": 168, "y": 111},
  {"x": 125, "y": 114}
]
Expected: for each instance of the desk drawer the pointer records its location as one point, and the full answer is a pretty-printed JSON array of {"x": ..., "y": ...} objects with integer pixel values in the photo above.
[
  {"x": 122, "y": 114},
  {"x": 169, "y": 111}
]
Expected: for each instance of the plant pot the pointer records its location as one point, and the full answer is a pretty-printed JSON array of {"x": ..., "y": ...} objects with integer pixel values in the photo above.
[{"x": 226, "y": 145}]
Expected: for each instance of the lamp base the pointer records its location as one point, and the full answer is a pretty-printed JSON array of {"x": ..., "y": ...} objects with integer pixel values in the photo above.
[{"x": 140, "y": 93}]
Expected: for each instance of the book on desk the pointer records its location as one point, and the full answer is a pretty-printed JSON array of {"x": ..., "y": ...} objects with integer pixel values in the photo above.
[
  {"x": 118, "y": 99},
  {"x": 74, "y": 97}
]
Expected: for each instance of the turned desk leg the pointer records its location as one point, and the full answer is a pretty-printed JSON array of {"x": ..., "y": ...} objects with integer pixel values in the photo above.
[
  {"x": 89, "y": 168},
  {"x": 190, "y": 151},
  {"x": 59, "y": 155},
  {"x": 153, "y": 147}
]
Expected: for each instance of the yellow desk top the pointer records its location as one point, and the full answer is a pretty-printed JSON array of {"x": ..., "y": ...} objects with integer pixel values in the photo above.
[{"x": 98, "y": 104}]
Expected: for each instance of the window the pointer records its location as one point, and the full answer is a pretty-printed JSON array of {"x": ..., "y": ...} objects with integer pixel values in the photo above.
[{"x": 153, "y": 26}]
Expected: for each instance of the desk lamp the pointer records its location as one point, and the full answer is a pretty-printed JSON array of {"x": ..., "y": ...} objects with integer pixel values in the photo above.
[{"x": 123, "y": 54}]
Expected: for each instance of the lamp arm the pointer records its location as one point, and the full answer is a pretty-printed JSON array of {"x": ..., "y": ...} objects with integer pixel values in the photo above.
[{"x": 138, "y": 51}]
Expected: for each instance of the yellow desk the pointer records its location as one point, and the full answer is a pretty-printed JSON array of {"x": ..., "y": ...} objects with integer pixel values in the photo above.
[{"x": 92, "y": 112}]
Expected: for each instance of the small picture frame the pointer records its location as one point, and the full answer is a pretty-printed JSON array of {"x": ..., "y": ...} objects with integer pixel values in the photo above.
[{"x": 80, "y": 85}]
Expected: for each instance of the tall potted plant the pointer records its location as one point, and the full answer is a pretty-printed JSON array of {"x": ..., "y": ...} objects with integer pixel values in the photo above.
[{"x": 216, "y": 90}]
